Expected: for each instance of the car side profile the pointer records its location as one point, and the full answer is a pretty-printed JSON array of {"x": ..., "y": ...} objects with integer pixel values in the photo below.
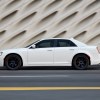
[{"x": 51, "y": 52}]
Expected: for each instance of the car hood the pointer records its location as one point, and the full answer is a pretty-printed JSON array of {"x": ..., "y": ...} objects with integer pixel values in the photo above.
[{"x": 14, "y": 50}]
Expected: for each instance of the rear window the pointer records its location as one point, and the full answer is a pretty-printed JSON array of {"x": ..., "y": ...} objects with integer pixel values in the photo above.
[{"x": 65, "y": 43}]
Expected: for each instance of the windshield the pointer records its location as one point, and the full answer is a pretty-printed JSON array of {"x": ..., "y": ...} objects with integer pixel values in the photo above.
[{"x": 31, "y": 44}]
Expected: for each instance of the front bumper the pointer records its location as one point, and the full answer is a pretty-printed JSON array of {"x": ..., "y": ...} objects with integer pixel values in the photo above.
[{"x": 1, "y": 61}]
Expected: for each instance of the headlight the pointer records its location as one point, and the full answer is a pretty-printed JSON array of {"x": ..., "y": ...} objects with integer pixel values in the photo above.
[{"x": 1, "y": 53}]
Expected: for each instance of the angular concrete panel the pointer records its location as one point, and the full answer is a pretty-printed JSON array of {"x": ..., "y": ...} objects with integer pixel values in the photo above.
[{"x": 25, "y": 21}]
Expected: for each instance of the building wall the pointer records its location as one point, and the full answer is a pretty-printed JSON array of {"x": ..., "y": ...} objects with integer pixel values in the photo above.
[{"x": 25, "y": 21}]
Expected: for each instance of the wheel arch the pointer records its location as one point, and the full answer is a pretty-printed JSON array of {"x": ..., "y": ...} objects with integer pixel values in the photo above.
[
  {"x": 82, "y": 54},
  {"x": 13, "y": 54}
]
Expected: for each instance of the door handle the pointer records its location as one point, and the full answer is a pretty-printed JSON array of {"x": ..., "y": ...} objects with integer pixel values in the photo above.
[
  {"x": 49, "y": 50},
  {"x": 71, "y": 49}
]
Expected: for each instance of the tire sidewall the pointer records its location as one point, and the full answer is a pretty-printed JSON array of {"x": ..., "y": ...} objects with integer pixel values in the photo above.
[
  {"x": 74, "y": 62},
  {"x": 6, "y": 62}
]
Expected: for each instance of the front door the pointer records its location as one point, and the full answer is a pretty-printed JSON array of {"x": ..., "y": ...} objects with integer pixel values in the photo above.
[{"x": 42, "y": 54}]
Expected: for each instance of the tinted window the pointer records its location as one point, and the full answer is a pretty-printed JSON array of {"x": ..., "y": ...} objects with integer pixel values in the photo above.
[
  {"x": 65, "y": 43},
  {"x": 45, "y": 44}
]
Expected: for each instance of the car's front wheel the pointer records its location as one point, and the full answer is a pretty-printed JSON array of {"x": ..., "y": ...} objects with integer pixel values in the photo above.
[
  {"x": 80, "y": 62},
  {"x": 12, "y": 62}
]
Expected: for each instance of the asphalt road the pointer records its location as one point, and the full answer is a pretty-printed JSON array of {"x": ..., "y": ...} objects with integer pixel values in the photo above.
[{"x": 53, "y": 84}]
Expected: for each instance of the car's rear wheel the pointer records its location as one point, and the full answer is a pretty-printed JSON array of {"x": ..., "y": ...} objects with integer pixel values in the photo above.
[
  {"x": 80, "y": 62},
  {"x": 13, "y": 62}
]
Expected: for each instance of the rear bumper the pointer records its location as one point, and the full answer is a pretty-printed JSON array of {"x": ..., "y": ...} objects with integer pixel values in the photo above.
[{"x": 95, "y": 61}]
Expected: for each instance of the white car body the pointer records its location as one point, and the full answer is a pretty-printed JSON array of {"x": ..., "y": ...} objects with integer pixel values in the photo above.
[{"x": 54, "y": 56}]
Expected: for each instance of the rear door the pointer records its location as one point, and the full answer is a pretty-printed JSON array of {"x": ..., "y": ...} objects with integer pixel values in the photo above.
[{"x": 63, "y": 52}]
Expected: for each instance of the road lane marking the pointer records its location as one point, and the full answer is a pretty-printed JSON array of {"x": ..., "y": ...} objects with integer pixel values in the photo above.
[
  {"x": 46, "y": 88},
  {"x": 35, "y": 76}
]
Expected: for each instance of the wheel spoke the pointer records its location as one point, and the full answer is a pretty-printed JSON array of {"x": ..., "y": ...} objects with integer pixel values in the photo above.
[
  {"x": 81, "y": 62},
  {"x": 13, "y": 62}
]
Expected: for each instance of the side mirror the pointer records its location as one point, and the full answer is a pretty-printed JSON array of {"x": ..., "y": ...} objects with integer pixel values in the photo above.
[{"x": 32, "y": 46}]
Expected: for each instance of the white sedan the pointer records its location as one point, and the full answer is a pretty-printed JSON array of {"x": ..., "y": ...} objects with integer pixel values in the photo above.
[{"x": 51, "y": 52}]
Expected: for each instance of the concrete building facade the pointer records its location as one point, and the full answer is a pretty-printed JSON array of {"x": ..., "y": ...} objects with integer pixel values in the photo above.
[{"x": 25, "y": 21}]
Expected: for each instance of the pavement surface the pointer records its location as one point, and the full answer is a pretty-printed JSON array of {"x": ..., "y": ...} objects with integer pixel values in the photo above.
[{"x": 50, "y": 83}]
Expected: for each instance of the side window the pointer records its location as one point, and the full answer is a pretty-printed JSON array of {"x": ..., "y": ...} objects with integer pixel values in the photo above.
[
  {"x": 45, "y": 44},
  {"x": 65, "y": 43}
]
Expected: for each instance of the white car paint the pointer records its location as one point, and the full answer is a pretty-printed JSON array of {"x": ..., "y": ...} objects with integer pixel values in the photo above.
[
  {"x": 40, "y": 56},
  {"x": 55, "y": 56}
]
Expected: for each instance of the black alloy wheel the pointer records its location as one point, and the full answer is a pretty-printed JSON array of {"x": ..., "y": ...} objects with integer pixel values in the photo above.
[
  {"x": 80, "y": 62},
  {"x": 13, "y": 62}
]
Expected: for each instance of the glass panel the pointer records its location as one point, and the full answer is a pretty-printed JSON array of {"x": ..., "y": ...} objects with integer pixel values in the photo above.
[
  {"x": 65, "y": 43},
  {"x": 44, "y": 44}
]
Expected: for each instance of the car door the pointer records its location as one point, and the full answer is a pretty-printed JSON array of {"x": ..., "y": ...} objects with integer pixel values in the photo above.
[
  {"x": 42, "y": 54},
  {"x": 63, "y": 52}
]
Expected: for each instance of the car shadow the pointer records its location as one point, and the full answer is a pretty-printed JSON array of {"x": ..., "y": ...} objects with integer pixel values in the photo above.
[{"x": 95, "y": 67}]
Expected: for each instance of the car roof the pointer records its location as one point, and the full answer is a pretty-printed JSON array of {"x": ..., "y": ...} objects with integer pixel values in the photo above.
[
  {"x": 57, "y": 38},
  {"x": 78, "y": 43}
]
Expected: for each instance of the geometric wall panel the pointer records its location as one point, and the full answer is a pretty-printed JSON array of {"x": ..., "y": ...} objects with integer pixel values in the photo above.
[{"x": 25, "y": 21}]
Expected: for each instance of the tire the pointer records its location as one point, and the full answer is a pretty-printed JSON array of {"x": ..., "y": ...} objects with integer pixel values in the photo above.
[
  {"x": 13, "y": 62},
  {"x": 80, "y": 62}
]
